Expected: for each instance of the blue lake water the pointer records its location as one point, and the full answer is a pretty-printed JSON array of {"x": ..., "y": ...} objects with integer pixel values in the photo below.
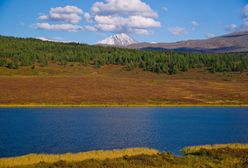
[{"x": 61, "y": 130}]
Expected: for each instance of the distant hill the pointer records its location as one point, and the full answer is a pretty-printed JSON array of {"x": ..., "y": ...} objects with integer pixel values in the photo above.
[
  {"x": 19, "y": 52},
  {"x": 233, "y": 42}
]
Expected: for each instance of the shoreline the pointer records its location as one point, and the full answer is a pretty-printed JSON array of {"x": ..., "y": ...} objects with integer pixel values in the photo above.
[
  {"x": 115, "y": 105},
  {"x": 101, "y": 155},
  {"x": 30, "y": 159}
]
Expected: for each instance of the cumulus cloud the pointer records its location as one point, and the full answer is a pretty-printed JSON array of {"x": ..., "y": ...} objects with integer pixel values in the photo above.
[
  {"x": 87, "y": 17},
  {"x": 123, "y": 7},
  {"x": 70, "y": 14},
  {"x": 129, "y": 16},
  {"x": 64, "y": 27},
  {"x": 106, "y": 27},
  {"x": 176, "y": 31},
  {"x": 68, "y": 18},
  {"x": 244, "y": 26},
  {"x": 210, "y": 35},
  {"x": 142, "y": 22},
  {"x": 141, "y": 31},
  {"x": 90, "y": 28},
  {"x": 231, "y": 27},
  {"x": 179, "y": 31},
  {"x": 245, "y": 20},
  {"x": 194, "y": 24},
  {"x": 116, "y": 16},
  {"x": 246, "y": 10}
]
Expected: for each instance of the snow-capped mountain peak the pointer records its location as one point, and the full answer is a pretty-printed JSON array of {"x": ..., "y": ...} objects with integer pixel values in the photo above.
[{"x": 117, "y": 40}]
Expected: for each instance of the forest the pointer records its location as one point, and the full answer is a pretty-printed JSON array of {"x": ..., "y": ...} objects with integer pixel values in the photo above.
[{"x": 18, "y": 52}]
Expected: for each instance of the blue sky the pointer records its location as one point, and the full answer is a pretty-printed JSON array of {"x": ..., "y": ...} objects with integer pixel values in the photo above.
[{"x": 88, "y": 21}]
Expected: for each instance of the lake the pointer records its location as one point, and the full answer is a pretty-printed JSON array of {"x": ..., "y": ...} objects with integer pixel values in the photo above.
[{"x": 61, "y": 130}]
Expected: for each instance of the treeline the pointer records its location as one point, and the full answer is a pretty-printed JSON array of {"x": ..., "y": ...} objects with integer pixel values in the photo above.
[{"x": 16, "y": 52}]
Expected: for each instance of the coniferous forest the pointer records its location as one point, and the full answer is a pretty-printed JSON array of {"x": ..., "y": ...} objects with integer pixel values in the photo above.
[{"x": 18, "y": 52}]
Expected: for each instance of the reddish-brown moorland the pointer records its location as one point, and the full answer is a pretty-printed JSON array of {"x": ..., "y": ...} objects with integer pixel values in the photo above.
[{"x": 113, "y": 85}]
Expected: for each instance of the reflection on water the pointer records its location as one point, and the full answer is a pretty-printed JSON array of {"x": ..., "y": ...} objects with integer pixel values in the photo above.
[{"x": 60, "y": 130}]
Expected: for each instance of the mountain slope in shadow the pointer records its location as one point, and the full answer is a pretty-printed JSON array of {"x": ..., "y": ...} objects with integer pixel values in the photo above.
[{"x": 233, "y": 42}]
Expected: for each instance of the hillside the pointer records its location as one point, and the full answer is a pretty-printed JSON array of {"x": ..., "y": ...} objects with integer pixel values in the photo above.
[
  {"x": 16, "y": 52},
  {"x": 34, "y": 72},
  {"x": 233, "y": 42}
]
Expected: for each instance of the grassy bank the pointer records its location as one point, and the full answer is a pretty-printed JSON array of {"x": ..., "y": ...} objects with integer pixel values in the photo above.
[
  {"x": 69, "y": 157},
  {"x": 196, "y": 149},
  {"x": 228, "y": 156}
]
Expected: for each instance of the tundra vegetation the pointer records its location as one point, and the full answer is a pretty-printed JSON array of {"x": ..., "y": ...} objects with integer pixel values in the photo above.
[
  {"x": 35, "y": 72},
  {"x": 16, "y": 52},
  {"x": 217, "y": 156}
]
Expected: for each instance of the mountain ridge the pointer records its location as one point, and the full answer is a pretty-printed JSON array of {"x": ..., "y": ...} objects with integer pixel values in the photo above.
[{"x": 232, "y": 42}]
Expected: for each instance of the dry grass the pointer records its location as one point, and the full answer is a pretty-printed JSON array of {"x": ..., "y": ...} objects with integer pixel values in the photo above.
[
  {"x": 194, "y": 149},
  {"x": 215, "y": 156},
  {"x": 113, "y": 86},
  {"x": 69, "y": 157}
]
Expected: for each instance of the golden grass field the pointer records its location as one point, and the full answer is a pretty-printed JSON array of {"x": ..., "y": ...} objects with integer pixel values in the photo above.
[
  {"x": 194, "y": 149},
  {"x": 215, "y": 156},
  {"x": 99, "y": 155},
  {"x": 112, "y": 85}
]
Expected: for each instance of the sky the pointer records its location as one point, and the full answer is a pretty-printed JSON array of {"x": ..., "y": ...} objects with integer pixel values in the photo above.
[{"x": 88, "y": 21}]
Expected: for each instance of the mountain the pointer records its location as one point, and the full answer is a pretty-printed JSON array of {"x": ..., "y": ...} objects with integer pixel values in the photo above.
[
  {"x": 233, "y": 42},
  {"x": 117, "y": 40}
]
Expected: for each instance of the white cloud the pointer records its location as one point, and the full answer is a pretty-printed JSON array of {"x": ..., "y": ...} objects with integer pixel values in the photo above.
[
  {"x": 110, "y": 20},
  {"x": 141, "y": 31},
  {"x": 134, "y": 24},
  {"x": 142, "y": 22},
  {"x": 64, "y": 27},
  {"x": 246, "y": 10},
  {"x": 244, "y": 26},
  {"x": 90, "y": 28},
  {"x": 70, "y": 14},
  {"x": 106, "y": 27},
  {"x": 117, "y": 16},
  {"x": 179, "y": 31},
  {"x": 68, "y": 18},
  {"x": 67, "y": 9},
  {"x": 123, "y": 7},
  {"x": 245, "y": 21},
  {"x": 194, "y": 24},
  {"x": 210, "y": 35},
  {"x": 129, "y": 16},
  {"x": 176, "y": 31},
  {"x": 87, "y": 17},
  {"x": 165, "y": 9},
  {"x": 231, "y": 27}
]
